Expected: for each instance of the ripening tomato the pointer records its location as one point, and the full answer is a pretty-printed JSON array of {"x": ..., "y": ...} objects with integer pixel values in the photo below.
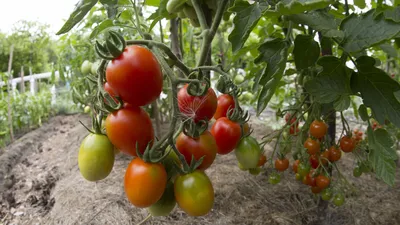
[
  {"x": 294, "y": 130},
  {"x": 324, "y": 157},
  {"x": 135, "y": 76},
  {"x": 314, "y": 161},
  {"x": 144, "y": 183},
  {"x": 334, "y": 154},
  {"x": 316, "y": 189},
  {"x": 322, "y": 181},
  {"x": 110, "y": 91},
  {"x": 312, "y": 146},
  {"x": 303, "y": 169},
  {"x": 347, "y": 144},
  {"x": 262, "y": 161},
  {"x": 96, "y": 157},
  {"x": 194, "y": 193},
  {"x": 248, "y": 152},
  {"x": 197, "y": 107},
  {"x": 166, "y": 204},
  {"x": 204, "y": 145},
  {"x": 227, "y": 135},
  {"x": 318, "y": 129},
  {"x": 128, "y": 126},
  {"x": 225, "y": 103},
  {"x": 281, "y": 164},
  {"x": 309, "y": 180},
  {"x": 293, "y": 120},
  {"x": 295, "y": 165}
]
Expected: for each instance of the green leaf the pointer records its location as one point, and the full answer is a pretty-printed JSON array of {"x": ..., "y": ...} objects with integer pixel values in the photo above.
[
  {"x": 382, "y": 154},
  {"x": 288, "y": 7},
  {"x": 80, "y": 11},
  {"x": 355, "y": 110},
  {"x": 363, "y": 112},
  {"x": 321, "y": 21},
  {"x": 377, "y": 90},
  {"x": 364, "y": 31},
  {"x": 246, "y": 18},
  {"x": 332, "y": 83},
  {"x": 274, "y": 53},
  {"x": 61, "y": 72},
  {"x": 155, "y": 3},
  {"x": 360, "y": 3},
  {"x": 306, "y": 51},
  {"x": 342, "y": 103},
  {"x": 160, "y": 14},
  {"x": 393, "y": 14},
  {"x": 101, "y": 27},
  {"x": 389, "y": 49}
]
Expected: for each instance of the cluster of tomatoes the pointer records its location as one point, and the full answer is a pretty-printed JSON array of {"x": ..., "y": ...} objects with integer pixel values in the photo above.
[
  {"x": 135, "y": 78},
  {"x": 184, "y": 9}
]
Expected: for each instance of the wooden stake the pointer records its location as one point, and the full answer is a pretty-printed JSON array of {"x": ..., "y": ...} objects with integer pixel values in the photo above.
[{"x": 9, "y": 96}]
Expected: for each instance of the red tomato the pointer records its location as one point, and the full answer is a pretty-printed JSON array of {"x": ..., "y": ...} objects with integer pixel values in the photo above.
[
  {"x": 334, "y": 154},
  {"x": 318, "y": 129},
  {"x": 325, "y": 157},
  {"x": 262, "y": 161},
  {"x": 197, "y": 107},
  {"x": 110, "y": 91},
  {"x": 295, "y": 165},
  {"x": 135, "y": 76},
  {"x": 314, "y": 161},
  {"x": 281, "y": 164},
  {"x": 204, "y": 145},
  {"x": 347, "y": 144},
  {"x": 227, "y": 135},
  {"x": 316, "y": 189},
  {"x": 309, "y": 180},
  {"x": 225, "y": 103},
  {"x": 128, "y": 126},
  {"x": 293, "y": 120},
  {"x": 294, "y": 130},
  {"x": 322, "y": 181},
  {"x": 312, "y": 146},
  {"x": 144, "y": 183}
]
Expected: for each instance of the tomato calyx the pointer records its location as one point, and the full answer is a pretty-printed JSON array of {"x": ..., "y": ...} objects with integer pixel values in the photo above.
[
  {"x": 194, "y": 130},
  {"x": 112, "y": 48}
]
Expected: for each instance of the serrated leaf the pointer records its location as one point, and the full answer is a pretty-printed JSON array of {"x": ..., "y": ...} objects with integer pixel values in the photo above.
[
  {"x": 360, "y": 3},
  {"x": 306, "y": 51},
  {"x": 288, "y": 7},
  {"x": 155, "y": 3},
  {"x": 364, "y": 31},
  {"x": 389, "y": 49},
  {"x": 382, "y": 154},
  {"x": 377, "y": 90},
  {"x": 80, "y": 11},
  {"x": 320, "y": 21},
  {"x": 101, "y": 27},
  {"x": 342, "y": 103},
  {"x": 246, "y": 18},
  {"x": 274, "y": 53},
  {"x": 332, "y": 82},
  {"x": 363, "y": 112},
  {"x": 393, "y": 14},
  {"x": 160, "y": 14}
]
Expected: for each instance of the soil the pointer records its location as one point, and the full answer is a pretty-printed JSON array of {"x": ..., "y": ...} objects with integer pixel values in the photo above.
[{"x": 40, "y": 183}]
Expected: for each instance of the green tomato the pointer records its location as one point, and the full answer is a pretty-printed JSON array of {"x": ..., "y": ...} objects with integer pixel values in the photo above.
[
  {"x": 248, "y": 152},
  {"x": 299, "y": 177},
  {"x": 248, "y": 96},
  {"x": 241, "y": 167},
  {"x": 86, "y": 109},
  {"x": 189, "y": 12},
  {"x": 94, "y": 68},
  {"x": 174, "y": 6},
  {"x": 338, "y": 199},
  {"x": 238, "y": 79},
  {"x": 255, "y": 171},
  {"x": 96, "y": 157},
  {"x": 326, "y": 194},
  {"x": 166, "y": 204},
  {"x": 86, "y": 66},
  {"x": 303, "y": 169},
  {"x": 181, "y": 15},
  {"x": 274, "y": 178},
  {"x": 194, "y": 22},
  {"x": 357, "y": 171},
  {"x": 169, "y": 162}
]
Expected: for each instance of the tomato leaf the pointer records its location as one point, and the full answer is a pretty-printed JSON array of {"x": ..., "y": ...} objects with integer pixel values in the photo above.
[
  {"x": 111, "y": 7},
  {"x": 342, "y": 103},
  {"x": 364, "y": 31},
  {"x": 101, "y": 27},
  {"x": 360, "y": 3},
  {"x": 377, "y": 90},
  {"x": 363, "y": 112},
  {"x": 393, "y": 14},
  {"x": 246, "y": 18},
  {"x": 306, "y": 51},
  {"x": 155, "y": 3},
  {"x": 321, "y": 21},
  {"x": 288, "y": 7},
  {"x": 389, "y": 49},
  {"x": 332, "y": 83},
  {"x": 382, "y": 154},
  {"x": 80, "y": 11},
  {"x": 274, "y": 53}
]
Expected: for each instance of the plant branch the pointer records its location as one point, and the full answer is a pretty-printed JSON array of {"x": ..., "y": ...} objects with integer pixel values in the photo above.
[{"x": 200, "y": 14}]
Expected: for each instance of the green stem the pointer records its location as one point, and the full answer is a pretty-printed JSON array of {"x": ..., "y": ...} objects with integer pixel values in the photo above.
[
  {"x": 200, "y": 14},
  {"x": 213, "y": 68}
]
